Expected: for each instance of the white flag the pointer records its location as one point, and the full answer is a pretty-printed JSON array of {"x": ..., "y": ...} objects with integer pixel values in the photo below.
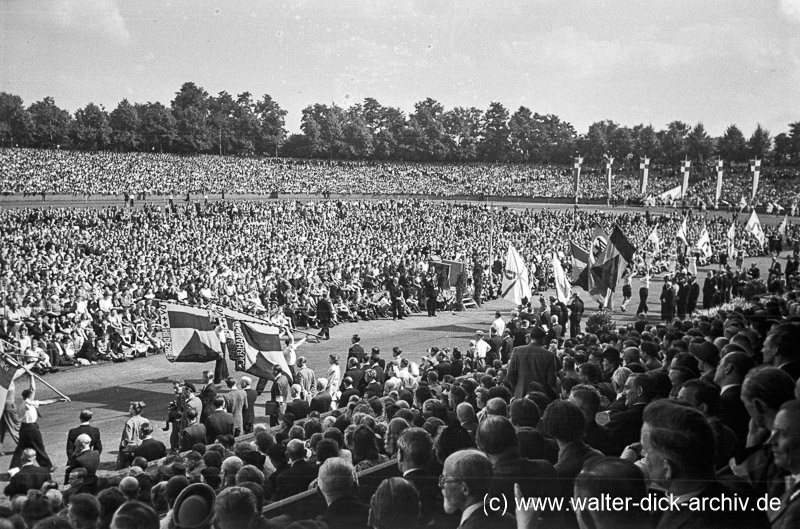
[
  {"x": 753, "y": 226},
  {"x": 654, "y": 238},
  {"x": 732, "y": 239},
  {"x": 704, "y": 243},
  {"x": 742, "y": 203},
  {"x": 670, "y": 195},
  {"x": 682, "y": 231},
  {"x": 515, "y": 285},
  {"x": 563, "y": 287},
  {"x": 782, "y": 229}
]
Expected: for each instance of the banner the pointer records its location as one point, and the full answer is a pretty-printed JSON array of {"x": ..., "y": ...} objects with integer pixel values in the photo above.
[
  {"x": 753, "y": 227},
  {"x": 576, "y": 173},
  {"x": 580, "y": 266},
  {"x": 644, "y": 167},
  {"x": 718, "y": 191},
  {"x": 782, "y": 229},
  {"x": 259, "y": 347},
  {"x": 7, "y": 372},
  {"x": 188, "y": 334},
  {"x": 515, "y": 286},
  {"x": 686, "y": 168},
  {"x": 732, "y": 239},
  {"x": 655, "y": 239},
  {"x": 563, "y": 287},
  {"x": 755, "y": 167},
  {"x": 609, "y": 163}
]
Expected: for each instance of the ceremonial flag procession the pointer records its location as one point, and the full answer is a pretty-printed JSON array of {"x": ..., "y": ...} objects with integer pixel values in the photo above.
[{"x": 515, "y": 285}]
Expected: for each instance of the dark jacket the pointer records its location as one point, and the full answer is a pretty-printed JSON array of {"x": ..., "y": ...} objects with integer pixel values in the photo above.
[
  {"x": 295, "y": 479},
  {"x": 88, "y": 459},
  {"x": 218, "y": 423},
  {"x": 91, "y": 431},
  {"x": 151, "y": 450},
  {"x": 29, "y": 477}
]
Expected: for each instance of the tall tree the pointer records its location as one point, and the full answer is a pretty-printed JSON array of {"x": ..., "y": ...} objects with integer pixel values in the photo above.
[
  {"x": 49, "y": 124},
  {"x": 191, "y": 110},
  {"x": 463, "y": 126},
  {"x": 158, "y": 129},
  {"x": 426, "y": 138},
  {"x": 597, "y": 141},
  {"x": 673, "y": 141},
  {"x": 782, "y": 153},
  {"x": 760, "y": 143},
  {"x": 621, "y": 144},
  {"x": 271, "y": 121},
  {"x": 521, "y": 129},
  {"x": 494, "y": 145},
  {"x": 125, "y": 126},
  {"x": 222, "y": 123},
  {"x": 732, "y": 146},
  {"x": 646, "y": 142},
  {"x": 15, "y": 120},
  {"x": 794, "y": 137},
  {"x": 699, "y": 143},
  {"x": 358, "y": 141}
]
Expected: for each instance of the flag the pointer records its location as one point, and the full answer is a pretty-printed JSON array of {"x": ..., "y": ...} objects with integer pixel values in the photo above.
[
  {"x": 671, "y": 194},
  {"x": 753, "y": 227},
  {"x": 782, "y": 229},
  {"x": 576, "y": 173},
  {"x": 686, "y": 168},
  {"x": 563, "y": 288},
  {"x": 188, "y": 334},
  {"x": 682, "y": 231},
  {"x": 598, "y": 247},
  {"x": 755, "y": 166},
  {"x": 644, "y": 167},
  {"x": 732, "y": 239},
  {"x": 7, "y": 372},
  {"x": 259, "y": 346},
  {"x": 580, "y": 266},
  {"x": 515, "y": 284},
  {"x": 742, "y": 203},
  {"x": 704, "y": 243},
  {"x": 718, "y": 191},
  {"x": 654, "y": 238}
]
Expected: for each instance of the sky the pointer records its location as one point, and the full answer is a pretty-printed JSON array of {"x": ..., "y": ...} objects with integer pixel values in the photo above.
[{"x": 718, "y": 62}]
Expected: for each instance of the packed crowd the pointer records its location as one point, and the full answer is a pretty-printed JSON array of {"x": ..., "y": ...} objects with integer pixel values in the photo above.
[
  {"x": 31, "y": 171},
  {"x": 543, "y": 404},
  {"x": 81, "y": 285}
]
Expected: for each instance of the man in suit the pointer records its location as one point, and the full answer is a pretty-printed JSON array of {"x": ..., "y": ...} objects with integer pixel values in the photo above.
[
  {"x": 732, "y": 369},
  {"x": 194, "y": 432},
  {"x": 305, "y": 377},
  {"x": 356, "y": 351},
  {"x": 207, "y": 395},
  {"x": 298, "y": 476},
  {"x": 325, "y": 314},
  {"x": 150, "y": 449},
  {"x": 297, "y": 406},
  {"x": 465, "y": 482},
  {"x": 249, "y": 412},
  {"x": 84, "y": 428},
  {"x": 575, "y": 313},
  {"x": 337, "y": 481},
  {"x": 219, "y": 422},
  {"x": 30, "y": 475},
  {"x": 347, "y": 392},
  {"x": 785, "y": 442},
  {"x": 678, "y": 447},
  {"x": 321, "y": 402},
  {"x": 780, "y": 349},
  {"x": 532, "y": 363},
  {"x": 378, "y": 364},
  {"x": 85, "y": 457},
  {"x": 414, "y": 451},
  {"x": 235, "y": 403},
  {"x": 625, "y": 426}
]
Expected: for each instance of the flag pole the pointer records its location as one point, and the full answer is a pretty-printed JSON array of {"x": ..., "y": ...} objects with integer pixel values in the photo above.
[{"x": 14, "y": 363}]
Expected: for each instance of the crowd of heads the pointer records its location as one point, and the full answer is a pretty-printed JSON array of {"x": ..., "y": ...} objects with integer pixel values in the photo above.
[{"x": 34, "y": 171}]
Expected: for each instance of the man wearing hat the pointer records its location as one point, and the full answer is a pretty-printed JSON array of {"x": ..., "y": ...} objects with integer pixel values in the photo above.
[{"x": 532, "y": 363}]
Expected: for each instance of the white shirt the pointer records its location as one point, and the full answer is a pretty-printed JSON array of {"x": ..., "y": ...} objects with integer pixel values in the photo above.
[
  {"x": 31, "y": 414},
  {"x": 500, "y": 325},
  {"x": 481, "y": 348}
]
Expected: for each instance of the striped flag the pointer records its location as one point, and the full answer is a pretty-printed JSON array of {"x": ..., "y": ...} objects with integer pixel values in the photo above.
[
  {"x": 188, "y": 334},
  {"x": 580, "y": 266},
  {"x": 644, "y": 167},
  {"x": 259, "y": 348},
  {"x": 753, "y": 227},
  {"x": 515, "y": 284},
  {"x": 7, "y": 372},
  {"x": 686, "y": 168},
  {"x": 755, "y": 167},
  {"x": 563, "y": 287},
  {"x": 718, "y": 191}
]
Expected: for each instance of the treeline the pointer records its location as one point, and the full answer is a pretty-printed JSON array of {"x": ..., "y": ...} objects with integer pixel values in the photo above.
[{"x": 196, "y": 122}]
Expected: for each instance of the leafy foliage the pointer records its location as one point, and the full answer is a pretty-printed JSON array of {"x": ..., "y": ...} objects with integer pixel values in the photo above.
[{"x": 600, "y": 322}]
